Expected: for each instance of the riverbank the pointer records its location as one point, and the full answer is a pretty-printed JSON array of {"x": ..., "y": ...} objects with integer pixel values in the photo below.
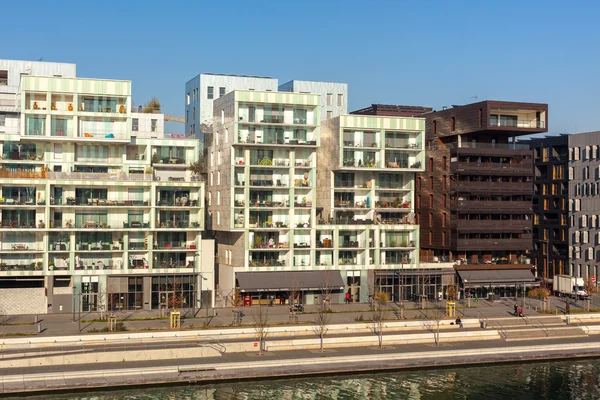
[{"x": 244, "y": 366}]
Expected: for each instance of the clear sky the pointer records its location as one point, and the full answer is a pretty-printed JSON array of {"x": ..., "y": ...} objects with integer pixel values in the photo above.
[{"x": 430, "y": 53}]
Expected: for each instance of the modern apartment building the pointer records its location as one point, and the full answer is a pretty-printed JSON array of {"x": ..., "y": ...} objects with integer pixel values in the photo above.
[
  {"x": 567, "y": 207},
  {"x": 203, "y": 89},
  {"x": 584, "y": 204},
  {"x": 261, "y": 193},
  {"x": 334, "y": 96},
  {"x": 11, "y": 72},
  {"x": 365, "y": 204},
  {"x": 550, "y": 205},
  {"x": 390, "y": 110},
  {"x": 299, "y": 203},
  {"x": 96, "y": 213},
  {"x": 474, "y": 199}
]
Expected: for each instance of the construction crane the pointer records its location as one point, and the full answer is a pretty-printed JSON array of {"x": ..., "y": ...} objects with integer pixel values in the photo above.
[{"x": 174, "y": 118}]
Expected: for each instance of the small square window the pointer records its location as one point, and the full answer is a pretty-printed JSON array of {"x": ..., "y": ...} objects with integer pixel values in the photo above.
[{"x": 221, "y": 91}]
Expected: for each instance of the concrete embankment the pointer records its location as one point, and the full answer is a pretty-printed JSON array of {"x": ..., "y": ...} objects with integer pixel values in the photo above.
[
  {"x": 287, "y": 365},
  {"x": 147, "y": 358}
]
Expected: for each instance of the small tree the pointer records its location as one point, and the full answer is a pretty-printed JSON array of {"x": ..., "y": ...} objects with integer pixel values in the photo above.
[
  {"x": 102, "y": 306},
  {"x": 589, "y": 286},
  {"x": 322, "y": 317},
  {"x": 261, "y": 322},
  {"x": 175, "y": 298},
  {"x": 152, "y": 105},
  {"x": 379, "y": 301},
  {"x": 197, "y": 167},
  {"x": 451, "y": 292},
  {"x": 542, "y": 293}
]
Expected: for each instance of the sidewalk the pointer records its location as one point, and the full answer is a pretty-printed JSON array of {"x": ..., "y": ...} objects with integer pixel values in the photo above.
[{"x": 63, "y": 324}]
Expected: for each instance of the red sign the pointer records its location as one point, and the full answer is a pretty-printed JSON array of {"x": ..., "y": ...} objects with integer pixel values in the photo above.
[
  {"x": 593, "y": 278},
  {"x": 255, "y": 344}
]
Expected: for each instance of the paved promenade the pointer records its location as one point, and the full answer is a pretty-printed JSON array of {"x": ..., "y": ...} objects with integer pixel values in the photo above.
[{"x": 64, "y": 324}]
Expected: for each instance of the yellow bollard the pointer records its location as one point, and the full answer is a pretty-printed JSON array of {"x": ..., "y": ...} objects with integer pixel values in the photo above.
[{"x": 175, "y": 320}]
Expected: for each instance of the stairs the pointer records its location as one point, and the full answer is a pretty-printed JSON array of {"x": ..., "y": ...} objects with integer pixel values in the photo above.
[{"x": 514, "y": 329}]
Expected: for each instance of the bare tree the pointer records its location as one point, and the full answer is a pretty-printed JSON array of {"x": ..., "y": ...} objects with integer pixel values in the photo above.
[
  {"x": 175, "y": 298},
  {"x": 424, "y": 280},
  {"x": 436, "y": 318},
  {"x": 323, "y": 317},
  {"x": 102, "y": 306},
  {"x": 261, "y": 322},
  {"x": 589, "y": 286},
  {"x": 379, "y": 302}
]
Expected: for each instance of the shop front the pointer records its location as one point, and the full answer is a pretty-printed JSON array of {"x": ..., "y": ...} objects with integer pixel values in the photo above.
[
  {"x": 286, "y": 288},
  {"x": 495, "y": 281}
]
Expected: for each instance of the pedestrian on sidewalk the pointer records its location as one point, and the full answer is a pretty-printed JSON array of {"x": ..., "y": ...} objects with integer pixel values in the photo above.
[
  {"x": 567, "y": 308},
  {"x": 459, "y": 322},
  {"x": 348, "y": 298},
  {"x": 516, "y": 308}
]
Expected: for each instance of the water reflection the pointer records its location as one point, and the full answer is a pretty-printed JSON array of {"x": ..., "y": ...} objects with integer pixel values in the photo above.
[{"x": 557, "y": 380}]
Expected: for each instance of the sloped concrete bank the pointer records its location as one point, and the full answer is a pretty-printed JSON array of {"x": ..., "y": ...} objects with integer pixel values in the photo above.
[{"x": 285, "y": 364}]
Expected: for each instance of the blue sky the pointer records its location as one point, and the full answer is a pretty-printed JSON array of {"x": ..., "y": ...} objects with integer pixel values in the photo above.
[{"x": 429, "y": 53}]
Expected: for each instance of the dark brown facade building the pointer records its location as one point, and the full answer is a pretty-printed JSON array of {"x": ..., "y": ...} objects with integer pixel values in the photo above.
[
  {"x": 474, "y": 201},
  {"x": 550, "y": 205}
]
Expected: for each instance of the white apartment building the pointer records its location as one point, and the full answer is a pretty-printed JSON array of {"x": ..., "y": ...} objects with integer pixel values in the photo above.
[
  {"x": 94, "y": 213},
  {"x": 203, "y": 89},
  {"x": 334, "y": 95},
  {"x": 299, "y": 203}
]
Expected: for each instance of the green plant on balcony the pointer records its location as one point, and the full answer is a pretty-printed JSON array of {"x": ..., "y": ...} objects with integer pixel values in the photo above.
[
  {"x": 304, "y": 202},
  {"x": 266, "y": 161},
  {"x": 38, "y": 266},
  {"x": 3, "y": 266},
  {"x": 196, "y": 167},
  {"x": 396, "y": 203}
]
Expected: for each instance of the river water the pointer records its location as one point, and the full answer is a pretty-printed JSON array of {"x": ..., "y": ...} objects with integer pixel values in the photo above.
[{"x": 553, "y": 380}]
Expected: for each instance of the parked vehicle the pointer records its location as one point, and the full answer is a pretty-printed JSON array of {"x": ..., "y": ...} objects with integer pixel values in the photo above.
[{"x": 566, "y": 285}]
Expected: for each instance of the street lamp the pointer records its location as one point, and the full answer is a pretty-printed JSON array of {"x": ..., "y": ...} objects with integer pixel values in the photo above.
[{"x": 202, "y": 278}]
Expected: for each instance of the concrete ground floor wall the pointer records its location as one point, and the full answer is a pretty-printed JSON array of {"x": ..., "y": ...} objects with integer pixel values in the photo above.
[{"x": 88, "y": 293}]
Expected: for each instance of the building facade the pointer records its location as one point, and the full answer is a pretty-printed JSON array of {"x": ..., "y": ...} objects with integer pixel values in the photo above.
[
  {"x": 474, "y": 199},
  {"x": 550, "y": 205},
  {"x": 261, "y": 189},
  {"x": 584, "y": 204},
  {"x": 95, "y": 216},
  {"x": 11, "y": 72},
  {"x": 365, "y": 204},
  {"x": 334, "y": 96},
  {"x": 203, "y": 89},
  {"x": 290, "y": 210}
]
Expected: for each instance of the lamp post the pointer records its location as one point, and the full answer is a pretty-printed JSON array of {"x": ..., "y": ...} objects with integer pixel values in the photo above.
[
  {"x": 74, "y": 289},
  {"x": 79, "y": 320},
  {"x": 202, "y": 278}
]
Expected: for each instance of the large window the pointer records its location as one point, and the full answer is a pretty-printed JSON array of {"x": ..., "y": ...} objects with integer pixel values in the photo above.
[
  {"x": 89, "y": 196},
  {"x": 91, "y": 219},
  {"x": 173, "y": 292},
  {"x": 125, "y": 293}
]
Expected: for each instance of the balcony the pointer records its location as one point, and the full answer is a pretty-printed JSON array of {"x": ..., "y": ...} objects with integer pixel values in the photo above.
[
  {"x": 524, "y": 243},
  {"x": 266, "y": 263},
  {"x": 492, "y": 226},
  {"x": 475, "y": 168},
  {"x": 100, "y": 176},
  {"x": 484, "y": 206},
  {"x": 499, "y": 188},
  {"x": 20, "y": 174},
  {"x": 517, "y": 123},
  {"x": 24, "y": 266}
]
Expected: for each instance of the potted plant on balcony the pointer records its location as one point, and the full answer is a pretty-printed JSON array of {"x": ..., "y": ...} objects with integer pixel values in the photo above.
[
  {"x": 68, "y": 224},
  {"x": 304, "y": 202}
]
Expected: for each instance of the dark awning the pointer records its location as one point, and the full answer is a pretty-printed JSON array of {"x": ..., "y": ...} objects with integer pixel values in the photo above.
[
  {"x": 496, "y": 277},
  {"x": 286, "y": 281}
]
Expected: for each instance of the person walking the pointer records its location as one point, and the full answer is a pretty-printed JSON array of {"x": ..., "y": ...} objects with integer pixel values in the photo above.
[{"x": 348, "y": 298}]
